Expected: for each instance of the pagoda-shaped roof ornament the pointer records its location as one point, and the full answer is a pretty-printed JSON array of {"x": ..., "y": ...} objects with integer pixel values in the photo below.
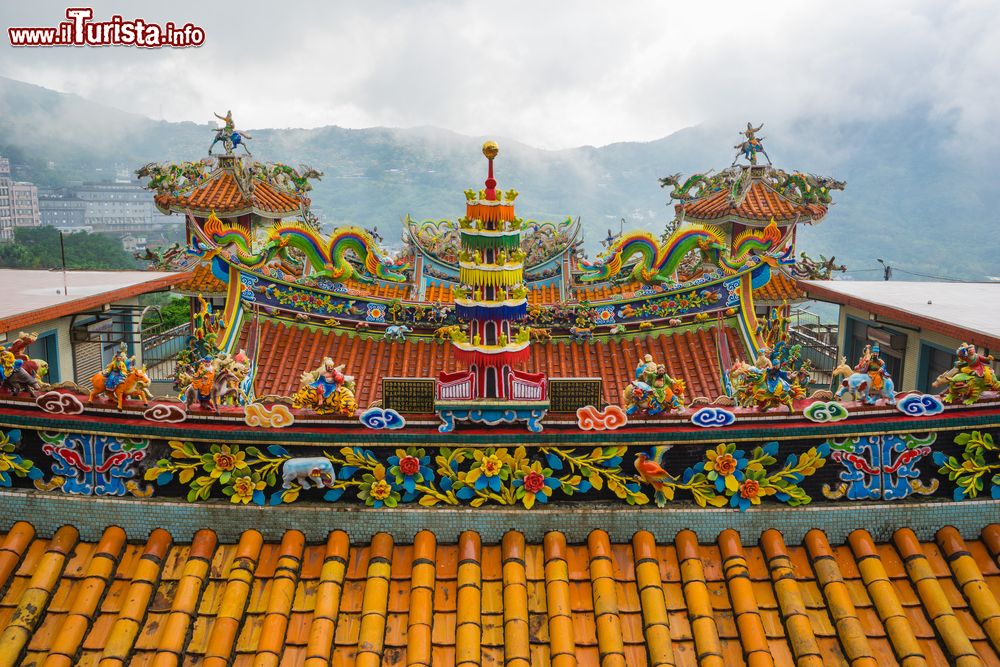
[
  {"x": 752, "y": 194},
  {"x": 230, "y": 184},
  {"x": 491, "y": 303}
]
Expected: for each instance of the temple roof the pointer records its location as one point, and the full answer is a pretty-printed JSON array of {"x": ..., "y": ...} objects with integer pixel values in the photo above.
[
  {"x": 758, "y": 202},
  {"x": 779, "y": 288},
  {"x": 223, "y": 193},
  {"x": 201, "y": 281},
  {"x": 638, "y": 603},
  {"x": 290, "y": 350}
]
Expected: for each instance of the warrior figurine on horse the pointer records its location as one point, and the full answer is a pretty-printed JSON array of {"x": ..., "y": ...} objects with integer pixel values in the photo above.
[
  {"x": 121, "y": 379},
  {"x": 229, "y": 135},
  {"x": 751, "y": 146}
]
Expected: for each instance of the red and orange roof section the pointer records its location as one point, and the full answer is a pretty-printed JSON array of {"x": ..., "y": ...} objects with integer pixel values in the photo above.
[
  {"x": 691, "y": 355},
  {"x": 759, "y": 202},
  {"x": 643, "y": 603},
  {"x": 222, "y": 193}
]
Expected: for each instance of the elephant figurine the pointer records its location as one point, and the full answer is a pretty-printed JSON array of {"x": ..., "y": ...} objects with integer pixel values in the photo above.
[
  {"x": 397, "y": 332},
  {"x": 859, "y": 385},
  {"x": 307, "y": 472}
]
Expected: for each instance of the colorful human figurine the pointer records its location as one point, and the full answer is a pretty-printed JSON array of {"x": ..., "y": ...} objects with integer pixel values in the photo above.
[
  {"x": 328, "y": 379},
  {"x": 973, "y": 363},
  {"x": 969, "y": 377},
  {"x": 117, "y": 369},
  {"x": 663, "y": 388},
  {"x": 646, "y": 368},
  {"x": 203, "y": 380},
  {"x": 653, "y": 390},
  {"x": 326, "y": 390},
  {"x": 7, "y": 360},
  {"x": 751, "y": 145},
  {"x": 224, "y": 133},
  {"x": 871, "y": 380},
  {"x": 872, "y": 365}
]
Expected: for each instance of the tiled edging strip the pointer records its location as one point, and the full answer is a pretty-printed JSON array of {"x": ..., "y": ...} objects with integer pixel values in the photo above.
[
  {"x": 91, "y": 515},
  {"x": 758, "y": 427}
]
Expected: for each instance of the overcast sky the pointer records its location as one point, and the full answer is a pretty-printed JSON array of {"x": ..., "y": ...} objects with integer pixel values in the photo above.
[{"x": 552, "y": 74}]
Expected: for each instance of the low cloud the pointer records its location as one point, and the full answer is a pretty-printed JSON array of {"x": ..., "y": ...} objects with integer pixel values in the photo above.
[{"x": 550, "y": 74}]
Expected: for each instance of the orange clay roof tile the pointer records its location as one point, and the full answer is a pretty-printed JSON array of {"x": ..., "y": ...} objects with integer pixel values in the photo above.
[
  {"x": 760, "y": 202},
  {"x": 779, "y": 288},
  {"x": 222, "y": 195},
  {"x": 291, "y": 350},
  {"x": 201, "y": 281}
]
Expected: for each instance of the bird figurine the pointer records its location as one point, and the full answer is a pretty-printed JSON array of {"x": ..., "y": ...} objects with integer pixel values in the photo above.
[{"x": 651, "y": 471}]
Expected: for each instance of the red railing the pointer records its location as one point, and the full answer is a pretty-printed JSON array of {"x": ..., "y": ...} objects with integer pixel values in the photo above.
[
  {"x": 527, "y": 386},
  {"x": 460, "y": 386}
]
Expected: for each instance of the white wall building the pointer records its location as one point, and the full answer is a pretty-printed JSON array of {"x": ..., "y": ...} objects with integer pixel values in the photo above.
[{"x": 24, "y": 204}]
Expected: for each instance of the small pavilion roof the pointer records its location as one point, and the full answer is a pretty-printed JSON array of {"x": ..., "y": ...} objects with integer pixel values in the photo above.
[
  {"x": 223, "y": 193},
  {"x": 759, "y": 202}
]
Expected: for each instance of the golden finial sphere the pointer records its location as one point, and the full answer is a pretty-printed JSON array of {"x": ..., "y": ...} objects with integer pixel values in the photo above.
[{"x": 490, "y": 149}]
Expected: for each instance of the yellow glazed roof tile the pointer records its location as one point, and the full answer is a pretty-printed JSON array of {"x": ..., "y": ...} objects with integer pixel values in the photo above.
[{"x": 675, "y": 602}]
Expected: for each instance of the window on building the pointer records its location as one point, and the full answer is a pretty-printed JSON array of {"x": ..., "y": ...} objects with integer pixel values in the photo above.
[
  {"x": 45, "y": 348},
  {"x": 934, "y": 361},
  {"x": 861, "y": 334}
]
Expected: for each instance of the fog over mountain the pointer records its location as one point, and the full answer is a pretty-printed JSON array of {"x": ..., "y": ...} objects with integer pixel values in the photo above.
[{"x": 916, "y": 196}]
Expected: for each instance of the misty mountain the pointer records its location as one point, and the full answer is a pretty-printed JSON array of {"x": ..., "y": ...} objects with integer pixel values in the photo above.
[{"x": 913, "y": 195}]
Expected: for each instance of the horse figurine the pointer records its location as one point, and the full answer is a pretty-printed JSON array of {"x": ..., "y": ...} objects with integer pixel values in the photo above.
[
  {"x": 226, "y": 388},
  {"x": 859, "y": 385},
  {"x": 133, "y": 386}
]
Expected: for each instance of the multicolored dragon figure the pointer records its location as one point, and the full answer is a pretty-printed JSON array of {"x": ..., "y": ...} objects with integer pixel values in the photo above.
[
  {"x": 694, "y": 187},
  {"x": 658, "y": 263},
  {"x": 327, "y": 257},
  {"x": 801, "y": 187},
  {"x": 809, "y": 188}
]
